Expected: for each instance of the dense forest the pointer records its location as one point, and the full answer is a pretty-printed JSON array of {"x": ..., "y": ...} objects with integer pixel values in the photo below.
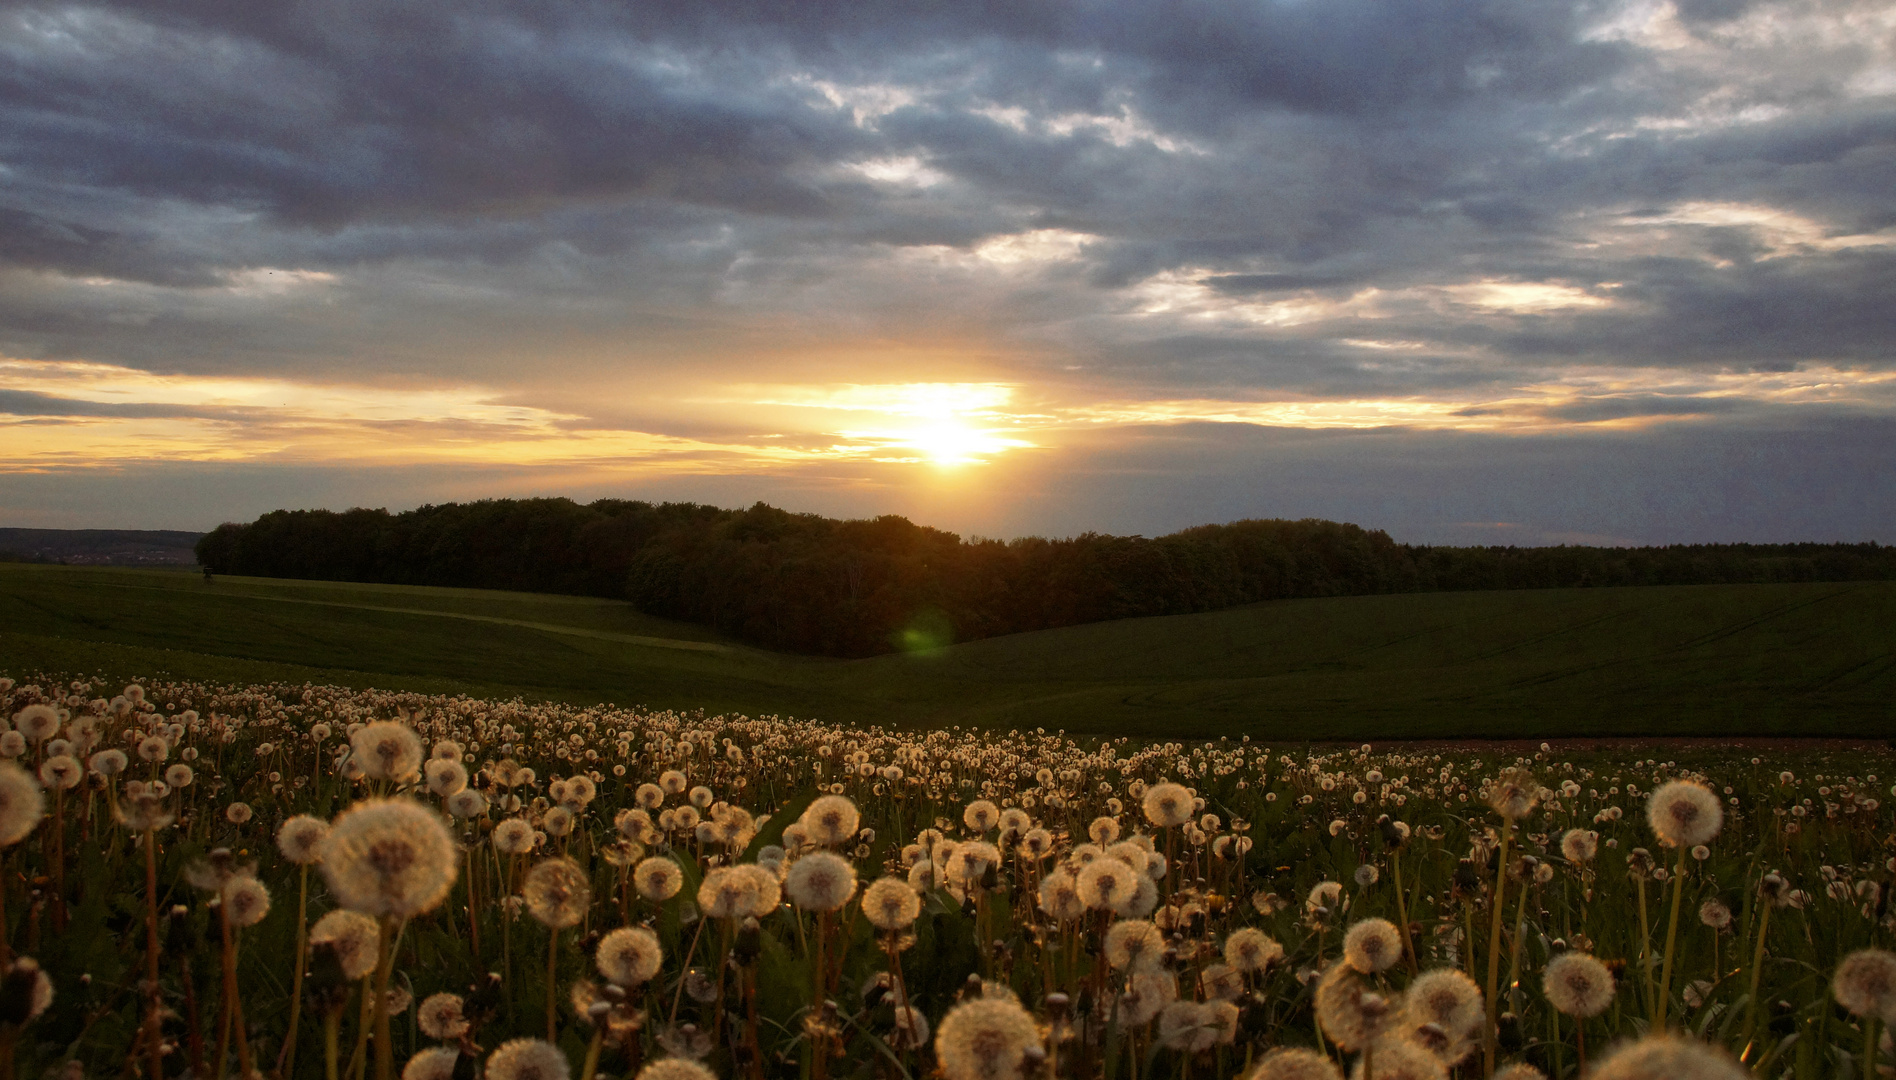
[{"x": 810, "y": 584}]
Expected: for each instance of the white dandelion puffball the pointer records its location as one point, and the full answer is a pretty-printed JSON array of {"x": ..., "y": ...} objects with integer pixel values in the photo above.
[
  {"x": 986, "y": 1038},
  {"x": 1668, "y": 1057},
  {"x": 1520, "y": 1070},
  {"x": 1683, "y": 813},
  {"x": 675, "y": 1068},
  {"x": 246, "y": 901},
  {"x": 440, "y": 1016},
  {"x": 1168, "y": 805},
  {"x": 629, "y": 956},
  {"x": 1580, "y": 845},
  {"x": 820, "y": 881},
  {"x": 890, "y": 904},
  {"x": 1134, "y": 945},
  {"x": 514, "y": 836},
  {"x": 657, "y": 878},
  {"x": 1107, "y": 885},
  {"x": 726, "y": 893},
  {"x": 830, "y": 821},
  {"x": 62, "y": 772},
  {"x": 386, "y": 750},
  {"x": 355, "y": 938},
  {"x": 37, "y": 722},
  {"x": 1251, "y": 949},
  {"x": 528, "y": 1059},
  {"x": 1442, "y": 1011},
  {"x": 1578, "y": 985},
  {"x": 466, "y": 803},
  {"x": 1372, "y": 945},
  {"x": 389, "y": 857},
  {"x": 22, "y": 803},
  {"x": 557, "y": 892},
  {"x": 1865, "y": 983},
  {"x": 1400, "y": 1059},
  {"x": 434, "y": 1063},
  {"x": 1295, "y": 1064}
]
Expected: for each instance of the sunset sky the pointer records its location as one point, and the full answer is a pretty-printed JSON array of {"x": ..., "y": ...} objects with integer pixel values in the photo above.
[{"x": 1471, "y": 272}]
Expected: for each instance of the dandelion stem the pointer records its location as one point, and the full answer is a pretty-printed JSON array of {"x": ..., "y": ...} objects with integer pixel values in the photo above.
[
  {"x": 1492, "y": 1037},
  {"x": 1672, "y": 937},
  {"x": 286, "y": 1064},
  {"x": 1757, "y": 972}
]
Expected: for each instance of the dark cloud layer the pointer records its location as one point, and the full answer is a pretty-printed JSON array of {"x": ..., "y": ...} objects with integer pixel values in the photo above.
[{"x": 1280, "y": 200}]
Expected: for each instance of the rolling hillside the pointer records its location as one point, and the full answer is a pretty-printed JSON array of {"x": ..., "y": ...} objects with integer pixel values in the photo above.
[{"x": 1790, "y": 659}]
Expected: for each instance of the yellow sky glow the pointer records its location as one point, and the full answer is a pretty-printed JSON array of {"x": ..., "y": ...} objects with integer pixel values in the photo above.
[{"x": 120, "y": 415}]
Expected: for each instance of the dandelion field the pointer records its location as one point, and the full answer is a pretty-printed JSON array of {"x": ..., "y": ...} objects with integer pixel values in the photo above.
[{"x": 320, "y": 882}]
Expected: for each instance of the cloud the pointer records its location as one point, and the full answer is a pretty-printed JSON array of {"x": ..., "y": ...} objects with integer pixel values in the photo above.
[{"x": 1454, "y": 216}]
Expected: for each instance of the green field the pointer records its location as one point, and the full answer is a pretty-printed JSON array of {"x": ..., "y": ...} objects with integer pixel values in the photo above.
[{"x": 1803, "y": 660}]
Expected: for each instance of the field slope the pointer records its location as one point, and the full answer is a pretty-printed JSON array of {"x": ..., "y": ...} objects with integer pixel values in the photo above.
[{"x": 1804, "y": 659}]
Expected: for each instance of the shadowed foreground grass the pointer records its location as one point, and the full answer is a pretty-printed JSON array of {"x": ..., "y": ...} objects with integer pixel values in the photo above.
[{"x": 1816, "y": 659}]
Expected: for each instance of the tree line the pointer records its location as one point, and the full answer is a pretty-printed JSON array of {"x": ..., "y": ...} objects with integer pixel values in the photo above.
[{"x": 811, "y": 584}]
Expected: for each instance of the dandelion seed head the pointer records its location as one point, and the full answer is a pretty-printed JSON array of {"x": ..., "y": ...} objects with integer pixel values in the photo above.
[
  {"x": 675, "y": 1068},
  {"x": 820, "y": 881},
  {"x": 1350, "y": 1014},
  {"x": 1865, "y": 983},
  {"x": 528, "y": 1059},
  {"x": 514, "y": 836},
  {"x": 434, "y": 1063},
  {"x": 1580, "y": 845},
  {"x": 557, "y": 893},
  {"x": 889, "y": 904},
  {"x": 37, "y": 722},
  {"x": 986, "y": 1038},
  {"x": 1107, "y": 885},
  {"x": 1668, "y": 1057},
  {"x": 389, "y": 857},
  {"x": 22, "y": 803},
  {"x": 1684, "y": 813},
  {"x": 831, "y": 820},
  {"x": 386, "y": 750},
  {"x": 1134, "y": 945},
  {"x": 354, "y": 938},
  {"x": 1251, "y": 949},
  {"x": 1578, "y": 984},
  {"x": 657, "y": 879},
  {"x": 440, "y": 1016},
  {"x": 629, "y": 956},
  {"x": 1168, "y": 805},
  {"x": 245, "y": 899},
  {"x": 1372, "y": 945},
  {"x": 1295, "y": 1064}
]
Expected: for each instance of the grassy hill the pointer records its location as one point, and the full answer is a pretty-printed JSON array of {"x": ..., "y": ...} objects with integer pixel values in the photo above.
[{"x": 1794, "y": 659}]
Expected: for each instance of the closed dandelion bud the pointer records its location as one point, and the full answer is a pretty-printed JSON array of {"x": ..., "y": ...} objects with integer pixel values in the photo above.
[{"x": 527, "y": 1059}]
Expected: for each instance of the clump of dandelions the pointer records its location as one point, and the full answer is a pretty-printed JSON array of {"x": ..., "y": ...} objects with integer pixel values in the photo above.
[
  {"x": 390, "y": 857},
  {"x": 1684, "y": 813},
  {"x": 986, "y": 1038}
]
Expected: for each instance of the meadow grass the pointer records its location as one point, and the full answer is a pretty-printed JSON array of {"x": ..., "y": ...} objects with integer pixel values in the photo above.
[{"x": 1714, "y": 660}]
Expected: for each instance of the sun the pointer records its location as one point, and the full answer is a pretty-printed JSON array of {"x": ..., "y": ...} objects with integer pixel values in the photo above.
[{"x": 950, "y": 443}]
